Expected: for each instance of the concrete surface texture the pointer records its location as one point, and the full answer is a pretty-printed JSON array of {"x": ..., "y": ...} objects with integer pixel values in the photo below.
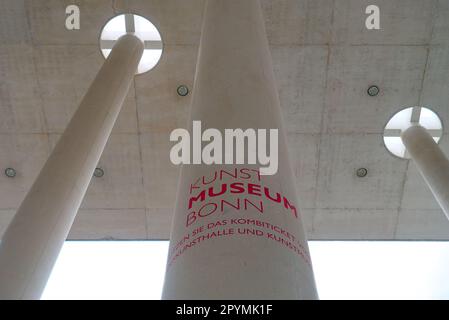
[{"x": 324, "y": 60}]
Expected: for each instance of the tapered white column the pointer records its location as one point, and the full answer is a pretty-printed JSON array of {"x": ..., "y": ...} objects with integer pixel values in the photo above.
[
  {"x": 31, "y": 244},
  {"x": 229, "y": 239},
  {"x": 432, "y": 163}
]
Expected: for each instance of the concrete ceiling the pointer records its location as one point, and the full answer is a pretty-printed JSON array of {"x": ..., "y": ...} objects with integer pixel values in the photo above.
[{"x": 324, "y": 60}]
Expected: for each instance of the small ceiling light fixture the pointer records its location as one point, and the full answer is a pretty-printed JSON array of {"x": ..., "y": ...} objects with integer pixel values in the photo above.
[
  {"x": 10, "y": 172},
  {"x": 98, "y": 173},
  {"x": 373, "y": 91},
  {"x": 362, "y": 172},
  {"x": 183, "y": 90}
]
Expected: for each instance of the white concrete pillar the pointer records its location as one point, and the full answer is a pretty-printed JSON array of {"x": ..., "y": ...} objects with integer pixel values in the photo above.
[
  {"x": 31, "y": 244},
  {"x": 240, "y": 244},
  {"x": 431, "y": 162}
]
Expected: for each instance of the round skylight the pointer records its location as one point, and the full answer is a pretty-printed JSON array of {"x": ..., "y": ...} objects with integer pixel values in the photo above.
[
  {"x": 403, "y": 120},
  {"x": 140, "y": 27}
]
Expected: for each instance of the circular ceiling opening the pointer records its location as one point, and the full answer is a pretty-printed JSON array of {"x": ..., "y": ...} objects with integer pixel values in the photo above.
[
  {"x": 403, "y": 120},
  {"x": 140, "y": 27}
]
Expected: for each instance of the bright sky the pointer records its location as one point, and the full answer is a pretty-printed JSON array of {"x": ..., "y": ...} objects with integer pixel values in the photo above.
[{"x": 343, "y": 270}]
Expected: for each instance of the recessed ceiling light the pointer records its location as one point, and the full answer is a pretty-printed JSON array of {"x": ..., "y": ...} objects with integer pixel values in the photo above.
[
  {"x": 98, "y": 173},
  {"x": 143, "y": 29},
  {"x": 373, "y": 91},
  {"x": 362, "y": 172},
  {"x": 183, "y": 90},
  {"x": 10, "y": 172}
]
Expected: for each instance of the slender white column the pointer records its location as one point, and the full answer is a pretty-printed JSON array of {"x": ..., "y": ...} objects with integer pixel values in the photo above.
[
  {"x": 239, "y": 244},
  {"x": 31, "y": 244},
  {"x": 431, "y": 162}
]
